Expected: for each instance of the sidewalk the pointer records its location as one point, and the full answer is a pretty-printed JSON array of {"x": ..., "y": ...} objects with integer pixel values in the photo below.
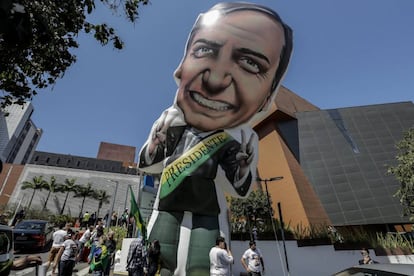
[{"x": 81, "y": 269}]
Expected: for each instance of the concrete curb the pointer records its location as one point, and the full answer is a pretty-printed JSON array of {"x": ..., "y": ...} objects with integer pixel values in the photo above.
[{"x": 82, "y": 272}]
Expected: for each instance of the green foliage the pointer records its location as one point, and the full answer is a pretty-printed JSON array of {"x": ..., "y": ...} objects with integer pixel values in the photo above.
[
  {"x": 253, "y": 210},
  {"x": 83, "y": 191},
  {"x": 37, "y": 39},
  {"x": 395, "y": 240},
  {"x": 37, "y": 183},
  {"x": 67, "y": 187},
  {"x": 357, "y": 234},
  {"x": 314, "y": 231},
  {"x": 120, "y": 233},
  {"x": 404, "y": 173},
  {"x": 51, "y": 186},
  {"x": 58, "y": 219},
  {"x": 101, "y": 196}
]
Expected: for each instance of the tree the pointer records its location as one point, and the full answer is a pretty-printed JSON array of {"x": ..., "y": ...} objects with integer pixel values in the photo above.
[
  {"x": 404, "y": 173},
  {"x": 68, "y": 187},
  {"x": 37, "y": 183},
  {"x": 84, "y": 192},
  {"x": 37, "y": 37},
  {"x": 51, "y": 186},
  {"x": 253, "y": 211},
  {"x": 102, "y": 197}
]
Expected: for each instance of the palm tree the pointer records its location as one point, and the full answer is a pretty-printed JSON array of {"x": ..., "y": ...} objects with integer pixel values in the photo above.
[
  {"x": 68, "y": 187},
  {"x": 84, "y": 192},
  {"x": 51, "y": 186},
  {"x": 37, "y": 183},
  {"x": 102, "y": 198}
]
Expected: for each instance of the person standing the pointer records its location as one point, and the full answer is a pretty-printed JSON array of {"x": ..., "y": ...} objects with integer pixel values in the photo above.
[
  {"x": 220, "y": 259},
  {"x": 124, "y": 218},
  {"x": 114, "y": 219},
  {"x": 366, "y": 258},
  {"x": 252, "y": 260},
  {"x": 153, "y": 258},
  {"x": 136, "y": 260},
  {"x": 85, "y": 219},
  {"x": 86, "y": 236},
  {"x": 92, "y": 219},
  {"x": 111, "y": 247},
  {"x": 99, "y": 257},
  {"x": 67, "y": 255},
  {"x": 58, "y": 238}
]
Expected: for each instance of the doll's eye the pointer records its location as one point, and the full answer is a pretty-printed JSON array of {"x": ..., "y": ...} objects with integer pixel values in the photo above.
[
  {"x": 250, "y": 65},
  {"x": 203, "y": 51}
]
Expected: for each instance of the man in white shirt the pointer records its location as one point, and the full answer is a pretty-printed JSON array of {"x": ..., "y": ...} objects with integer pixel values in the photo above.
[
  {"x": 252, "y": 260},
  {"x": 86, "y": 236},
  {"x": 67, "y": 255},
  {"x": 220, "y": 259},
  {"x": 58, "y": 239}
]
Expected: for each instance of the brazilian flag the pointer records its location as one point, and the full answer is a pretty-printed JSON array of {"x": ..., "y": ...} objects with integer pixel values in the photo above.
[{"x": 139, "y": 221}]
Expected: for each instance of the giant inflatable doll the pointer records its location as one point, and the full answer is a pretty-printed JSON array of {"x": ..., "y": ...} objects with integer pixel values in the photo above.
[{"x": 234, "y": 60}]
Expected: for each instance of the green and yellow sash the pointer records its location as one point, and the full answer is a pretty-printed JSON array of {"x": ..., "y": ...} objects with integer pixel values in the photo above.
[{"x": 174, "y": 174}]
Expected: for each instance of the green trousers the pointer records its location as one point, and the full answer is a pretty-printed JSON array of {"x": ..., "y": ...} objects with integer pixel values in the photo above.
[{"x": 204, "y": 232}]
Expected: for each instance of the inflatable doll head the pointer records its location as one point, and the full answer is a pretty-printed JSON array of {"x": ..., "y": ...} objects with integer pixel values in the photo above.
[{"x": 235, "y": 58}]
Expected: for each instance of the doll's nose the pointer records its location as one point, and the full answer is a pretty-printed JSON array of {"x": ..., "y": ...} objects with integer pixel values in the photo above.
[{"x": 216, "y": 79}]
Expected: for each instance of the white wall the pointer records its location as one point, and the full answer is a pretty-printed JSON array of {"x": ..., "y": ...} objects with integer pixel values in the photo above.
[
  {"x": 309, "y": 260},
  {"x": 99, "y": 180}
]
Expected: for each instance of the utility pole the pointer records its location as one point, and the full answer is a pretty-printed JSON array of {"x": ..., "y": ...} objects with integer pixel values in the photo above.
[{"x": 265, "y": 180}]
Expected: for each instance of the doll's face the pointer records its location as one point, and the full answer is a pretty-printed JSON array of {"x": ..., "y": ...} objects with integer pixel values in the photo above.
[{"x": 227, "y": 73}]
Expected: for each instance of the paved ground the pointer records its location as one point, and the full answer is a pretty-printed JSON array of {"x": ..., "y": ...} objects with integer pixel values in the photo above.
[{"x": 81, "y": 269}]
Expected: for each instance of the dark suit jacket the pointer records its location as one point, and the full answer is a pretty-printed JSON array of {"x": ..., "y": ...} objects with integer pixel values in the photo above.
[{"x": 197, "y": 192}]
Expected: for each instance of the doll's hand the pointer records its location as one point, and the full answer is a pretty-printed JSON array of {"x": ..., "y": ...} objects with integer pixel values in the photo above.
[
  {"x": 245, "y": 155},
  {"x": 159, "y": 134}
]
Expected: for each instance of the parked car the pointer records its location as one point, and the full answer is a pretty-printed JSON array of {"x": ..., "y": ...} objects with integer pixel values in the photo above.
[
  {"x": 6, "y": 249},
  {"x": 378, "y": 270},
  {"x": 32, "y": 234}
]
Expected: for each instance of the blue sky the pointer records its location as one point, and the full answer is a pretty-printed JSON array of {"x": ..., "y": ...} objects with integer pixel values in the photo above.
[{"x": 346, "y": 53}]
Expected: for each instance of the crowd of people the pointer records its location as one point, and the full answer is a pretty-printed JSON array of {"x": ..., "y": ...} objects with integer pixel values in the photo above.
[
  {"x": 88, "y": 219},
  {"x": 143, "y": 260},
  {"x": 92, "y": 246},
  {"x": 98, "y": 249}
]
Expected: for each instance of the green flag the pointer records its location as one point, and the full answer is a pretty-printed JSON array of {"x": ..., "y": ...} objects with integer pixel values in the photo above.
[{"x": 139, "y": 221}]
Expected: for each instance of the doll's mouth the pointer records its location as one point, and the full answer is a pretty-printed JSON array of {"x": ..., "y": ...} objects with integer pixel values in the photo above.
[{"x": 210, "y": 104}]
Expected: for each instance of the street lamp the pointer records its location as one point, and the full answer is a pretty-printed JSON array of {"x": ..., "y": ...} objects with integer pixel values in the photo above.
[
  {"x": 108, "y": 221},
  {"x": 126, "y": 196},
  {"x": 265, "y": 180},
  {"x": 276, "y": 178}
]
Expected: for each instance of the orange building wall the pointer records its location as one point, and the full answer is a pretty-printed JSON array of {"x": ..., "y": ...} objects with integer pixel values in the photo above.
[
  {"x": 273, "y": 162},
  {"x": 299, "y": 202},
  {"x": 8, "y": 179}
]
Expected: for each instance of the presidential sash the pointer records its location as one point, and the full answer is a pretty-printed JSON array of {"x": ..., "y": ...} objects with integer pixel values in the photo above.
[{"x": 174, "y": 174}]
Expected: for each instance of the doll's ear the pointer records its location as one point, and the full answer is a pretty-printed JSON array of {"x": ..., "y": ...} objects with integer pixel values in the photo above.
[
  {"x": 178, "y": 71},
  {"x": 266, "y": 102}
]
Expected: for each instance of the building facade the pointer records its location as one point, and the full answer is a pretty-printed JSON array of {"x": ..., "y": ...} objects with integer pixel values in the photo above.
[
  {"x": 116, "y": 152},
  {"x": 111, "y": 176},
  {"x": 19, "y": 136},
  {"x": 333, "y": 162}
]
